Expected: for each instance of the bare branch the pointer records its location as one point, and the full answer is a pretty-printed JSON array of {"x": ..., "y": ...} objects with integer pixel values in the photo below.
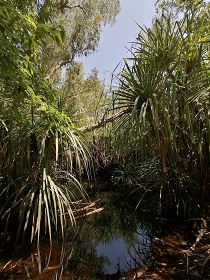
[
  {"x": 64, "y": 5},
  {"x": 57, "y": 67},
  {"x": 102, "y": 122},
  {"x": 73, "y": 7}
]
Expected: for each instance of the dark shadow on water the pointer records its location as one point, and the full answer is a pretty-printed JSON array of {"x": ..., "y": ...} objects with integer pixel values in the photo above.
[{"x": 105, "y": 245}]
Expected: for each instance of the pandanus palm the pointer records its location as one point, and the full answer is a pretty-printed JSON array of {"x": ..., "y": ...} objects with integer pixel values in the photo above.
[
  {"x": 166, "y": 91},
  {"x": 41, "y": 162},
  {"x": 41, "y": 152}
]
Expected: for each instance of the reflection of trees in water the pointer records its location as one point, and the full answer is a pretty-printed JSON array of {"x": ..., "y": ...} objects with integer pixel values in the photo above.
[
  {"x": 84, "y": 261},
  {"x": 78, "y": 258},
  {"x": 120, "y": 219}
]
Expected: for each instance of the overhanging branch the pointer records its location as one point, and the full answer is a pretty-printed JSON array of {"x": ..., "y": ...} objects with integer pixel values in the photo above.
[{"x": 102, "y": 122}]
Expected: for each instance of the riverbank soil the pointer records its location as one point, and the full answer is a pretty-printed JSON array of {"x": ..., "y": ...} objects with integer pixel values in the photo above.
[{"x": 183, "y": 253}]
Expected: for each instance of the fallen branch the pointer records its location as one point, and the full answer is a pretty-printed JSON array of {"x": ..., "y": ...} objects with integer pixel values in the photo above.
[
  {"x": 86, "y": 209},
  {"x": 202, "y": 230},
  {"x": 90, "y": 213}
]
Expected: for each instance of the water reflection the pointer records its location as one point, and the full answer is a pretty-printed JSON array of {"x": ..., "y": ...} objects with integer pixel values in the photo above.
[
  {"x": 119, "y": 255},
  {"x": 113, "y": 241},
  {"x": 104, "y": 245}
]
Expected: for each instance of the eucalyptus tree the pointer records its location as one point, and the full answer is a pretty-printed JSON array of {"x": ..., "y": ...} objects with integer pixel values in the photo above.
[
  {"x": 83, "y": 22},
  {"x": 181, "y": 6},
  {"x": 85, "y": 97},
  {"x": 165, "y": 90}
]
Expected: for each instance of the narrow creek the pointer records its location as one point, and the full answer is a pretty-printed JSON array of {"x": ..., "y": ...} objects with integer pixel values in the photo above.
[{"x": 111, "y": 244}]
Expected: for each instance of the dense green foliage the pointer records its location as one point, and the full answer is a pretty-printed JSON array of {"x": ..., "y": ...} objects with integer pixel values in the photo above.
[
  {"x": 42, "y": 152},
  {"x": 85, "y": 98},
  {"x": 161, "y": 129},
  {"x": 82, "y": 21},
  {"x": 165, "y": 87}
]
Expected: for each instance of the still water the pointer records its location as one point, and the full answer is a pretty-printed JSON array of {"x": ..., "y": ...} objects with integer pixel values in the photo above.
[
  {"x": 119, "y": 254},
  {"x": 116, "y": 240},
  {"x": 105, "y": 245}
]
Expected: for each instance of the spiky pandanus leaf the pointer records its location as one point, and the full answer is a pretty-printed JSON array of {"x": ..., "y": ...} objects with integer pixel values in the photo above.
[{"x": 166, "y": 89}]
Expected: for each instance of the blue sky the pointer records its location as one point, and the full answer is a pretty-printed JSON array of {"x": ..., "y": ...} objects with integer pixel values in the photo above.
[{"x": 115, "y": 40}]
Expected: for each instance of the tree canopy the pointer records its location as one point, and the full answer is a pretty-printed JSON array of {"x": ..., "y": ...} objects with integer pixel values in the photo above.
[{"x": 83, "y": 22}]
